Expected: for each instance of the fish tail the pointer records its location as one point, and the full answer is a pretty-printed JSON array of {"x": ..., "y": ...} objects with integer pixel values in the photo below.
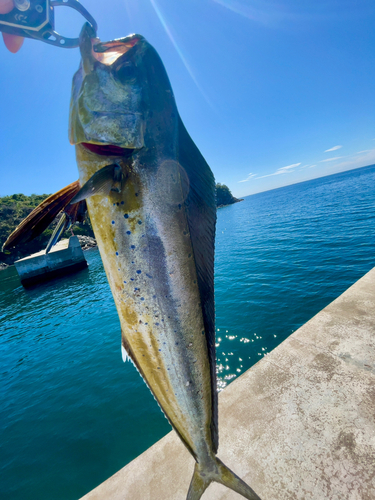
[
  {"x": 199, "y": 483},
  {"x": 221, "y": 474}
]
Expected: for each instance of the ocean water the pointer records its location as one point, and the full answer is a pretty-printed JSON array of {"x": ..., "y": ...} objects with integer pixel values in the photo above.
[{"x": 72, "y": 413}]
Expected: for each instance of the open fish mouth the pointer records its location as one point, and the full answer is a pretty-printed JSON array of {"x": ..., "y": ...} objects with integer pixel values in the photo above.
[{"x": 107, "y": 149}]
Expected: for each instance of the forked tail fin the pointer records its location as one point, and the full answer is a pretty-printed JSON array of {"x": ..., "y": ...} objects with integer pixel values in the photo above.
[{"x": 202, "y": 479}]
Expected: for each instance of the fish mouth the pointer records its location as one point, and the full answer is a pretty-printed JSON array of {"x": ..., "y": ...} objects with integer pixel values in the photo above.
[{"x": 107, "y": 149}]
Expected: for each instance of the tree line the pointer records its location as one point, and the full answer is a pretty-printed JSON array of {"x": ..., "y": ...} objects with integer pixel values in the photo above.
[{"x": 15, "y": 208}]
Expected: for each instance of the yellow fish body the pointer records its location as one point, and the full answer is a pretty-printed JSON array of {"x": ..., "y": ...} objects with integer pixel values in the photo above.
[{"x": 151, "y": 200}]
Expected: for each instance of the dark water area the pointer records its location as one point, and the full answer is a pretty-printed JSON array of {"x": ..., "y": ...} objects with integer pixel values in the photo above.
[{"x": 72, "y": 413}]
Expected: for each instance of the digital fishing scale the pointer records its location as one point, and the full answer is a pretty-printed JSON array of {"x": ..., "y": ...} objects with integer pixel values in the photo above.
[{"x": 36, "y": 19}]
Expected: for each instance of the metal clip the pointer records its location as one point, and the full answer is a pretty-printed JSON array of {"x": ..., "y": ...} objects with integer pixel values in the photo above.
[{"x": 36, "y": 19}]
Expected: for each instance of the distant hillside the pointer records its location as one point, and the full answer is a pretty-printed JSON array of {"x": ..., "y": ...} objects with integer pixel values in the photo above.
[
  {"x": 224, "y": 196},
  {"x": 13, "y": 209}
]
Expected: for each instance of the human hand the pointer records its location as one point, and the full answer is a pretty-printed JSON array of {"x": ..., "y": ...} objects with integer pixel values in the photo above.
[{"x": 12, "y": 42}]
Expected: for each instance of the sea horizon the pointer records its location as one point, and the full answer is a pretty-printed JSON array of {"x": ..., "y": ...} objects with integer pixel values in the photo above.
[{"x": 307, "y": 180}]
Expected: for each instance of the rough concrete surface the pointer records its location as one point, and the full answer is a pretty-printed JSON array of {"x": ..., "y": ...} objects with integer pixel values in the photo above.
[
  {"x": 300, "y": 424},
  {"x": 65, "y": 254}
]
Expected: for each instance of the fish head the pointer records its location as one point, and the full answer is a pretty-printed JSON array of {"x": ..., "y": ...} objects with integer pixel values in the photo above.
[{"x": 121, "y": 97}]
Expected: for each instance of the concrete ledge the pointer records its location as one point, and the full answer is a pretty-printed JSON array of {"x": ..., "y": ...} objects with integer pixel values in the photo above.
[
  {"x": 64, "y": 258},
  {"x": 300, "y": 424}
]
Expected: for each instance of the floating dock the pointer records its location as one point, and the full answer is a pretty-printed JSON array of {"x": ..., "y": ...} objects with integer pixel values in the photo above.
[
  {"x": 298, "y": 425},
  {"x": 64, "y": 258}
]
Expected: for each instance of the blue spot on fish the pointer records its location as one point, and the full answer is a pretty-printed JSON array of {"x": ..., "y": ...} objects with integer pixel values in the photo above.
[
  {"x": 132, "y": 246},
  {"x": 142, "y": 298},
  {"x": 122, "y": 203},
  {"x": 139, "y": 222},
  {"x": 126, "y": 216},
  {"x": 159, "y": 350},
  {"x": 139, "y": 271},
  {"x": 131, "y": 279},
  {"x": 116, "y": 253},
  {"x": 148, "y": 276},
  {"x": 157, "y": 324},
  {"x": 135, "y": 289},
  {"x": 124, "y": 281},
  {"x": 128, "y": 232},
  {"x": 113, "y": 222}
]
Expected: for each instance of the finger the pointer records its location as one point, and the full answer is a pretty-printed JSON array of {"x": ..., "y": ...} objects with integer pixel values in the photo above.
[
  {"x": 13, "y": 42},
  {"x": 6, "y": 6}
]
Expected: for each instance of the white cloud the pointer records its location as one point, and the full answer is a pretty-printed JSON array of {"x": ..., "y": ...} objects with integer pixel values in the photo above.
[
  {"x": 355, "y": 161},
  {"x": 248, "y": 177},
  {"x": 335, "y": 148},
  {"x": 282, "y": 170},
  {"x": 311, "y": 166},
  {"x": 290, "y": 166},
  {"x": 331, "y": 159},
  {"x": 364, "y": 151}
]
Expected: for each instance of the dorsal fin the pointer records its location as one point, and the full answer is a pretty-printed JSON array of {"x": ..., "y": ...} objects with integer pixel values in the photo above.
[
  {"x": 201, "y": 214},
  {"x": 42, "y": 216}
]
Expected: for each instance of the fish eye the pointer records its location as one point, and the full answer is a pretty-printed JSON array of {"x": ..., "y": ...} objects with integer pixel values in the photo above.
[{"x": 126, "y": 72}]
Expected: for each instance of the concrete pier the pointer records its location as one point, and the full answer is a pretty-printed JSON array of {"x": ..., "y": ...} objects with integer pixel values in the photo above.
[
  {"x": 64, "y": 258},
  {"x": 299, "y": 425}
]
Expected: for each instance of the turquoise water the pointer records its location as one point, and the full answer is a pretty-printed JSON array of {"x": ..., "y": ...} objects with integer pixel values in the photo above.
[{"x": 72, "y": 413}]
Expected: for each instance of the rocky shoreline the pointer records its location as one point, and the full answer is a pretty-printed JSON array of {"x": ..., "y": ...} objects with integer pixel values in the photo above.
[
  {"x": 236, "y": 200},
  {"x": 87, "y": 242}
]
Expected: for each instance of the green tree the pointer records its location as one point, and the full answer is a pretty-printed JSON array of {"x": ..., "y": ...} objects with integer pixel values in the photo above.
[
  {"x": 223, "y": 195},
  {"x": 15, "y": 208}
]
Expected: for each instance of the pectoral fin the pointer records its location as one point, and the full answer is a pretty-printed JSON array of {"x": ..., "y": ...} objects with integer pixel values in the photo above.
[
  {"x": 42, "y": 216},
  {"x": 104, "y": 181}
]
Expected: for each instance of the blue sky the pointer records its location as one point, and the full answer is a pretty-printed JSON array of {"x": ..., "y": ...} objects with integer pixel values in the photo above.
[{"x": 272, "y": 92}]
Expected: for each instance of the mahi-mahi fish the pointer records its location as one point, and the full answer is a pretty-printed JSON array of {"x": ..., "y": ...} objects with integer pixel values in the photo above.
[{"x": 151, "y": 200}]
